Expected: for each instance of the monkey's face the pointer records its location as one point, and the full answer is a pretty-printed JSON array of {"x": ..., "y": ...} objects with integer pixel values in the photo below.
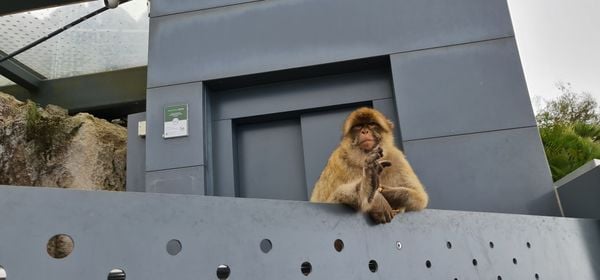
[
  {"x": 366, "y": 128},
  {"x": 366, "y": 136}
]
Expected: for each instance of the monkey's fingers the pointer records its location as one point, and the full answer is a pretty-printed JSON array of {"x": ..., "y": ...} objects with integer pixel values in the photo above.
[
  {"x": 385, "y": 163},
  {"x": 382, "y": 164},
  {"x": 379, "y": 151}
]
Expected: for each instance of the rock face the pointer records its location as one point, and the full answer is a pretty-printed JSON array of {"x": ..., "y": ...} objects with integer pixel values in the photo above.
[{"x": 47, "y": 147}]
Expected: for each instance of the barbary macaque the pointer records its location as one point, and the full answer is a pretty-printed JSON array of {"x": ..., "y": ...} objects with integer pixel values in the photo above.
[{"x": 368, "y": 172}]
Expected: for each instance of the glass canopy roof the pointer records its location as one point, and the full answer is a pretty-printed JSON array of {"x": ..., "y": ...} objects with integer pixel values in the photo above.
[
  {"x": 115, "y": 39},
  {"x": 5, "y": 81}
]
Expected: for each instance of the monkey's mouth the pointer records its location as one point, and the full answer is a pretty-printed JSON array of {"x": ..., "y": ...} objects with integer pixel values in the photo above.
[
  {"x": 366, "y": 141},
  {"x": 367, "y": 144}
]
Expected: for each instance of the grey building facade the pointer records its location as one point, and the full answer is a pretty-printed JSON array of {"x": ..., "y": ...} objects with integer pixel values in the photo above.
[{"x": 268, "y": 84}]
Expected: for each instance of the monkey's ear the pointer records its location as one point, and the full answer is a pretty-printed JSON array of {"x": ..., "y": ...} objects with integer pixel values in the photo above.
[{"x": 391, "y": 124}]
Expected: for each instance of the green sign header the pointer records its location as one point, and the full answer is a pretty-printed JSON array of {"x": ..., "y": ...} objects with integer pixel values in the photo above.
[{"x": 179, "y": 112}]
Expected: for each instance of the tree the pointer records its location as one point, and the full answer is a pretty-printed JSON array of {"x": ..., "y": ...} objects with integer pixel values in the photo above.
[
  {"x": 569, "y": 146},
  {"x": 570, "y": 107},
  {"x": 570, "y": 131}
]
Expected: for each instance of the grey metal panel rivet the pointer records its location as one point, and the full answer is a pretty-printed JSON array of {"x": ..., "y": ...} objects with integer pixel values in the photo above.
[{"x": 398, "y": 245}]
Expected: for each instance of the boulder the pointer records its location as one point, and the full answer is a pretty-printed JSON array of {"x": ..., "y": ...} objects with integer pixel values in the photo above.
[{"x": 47, "y": 147}]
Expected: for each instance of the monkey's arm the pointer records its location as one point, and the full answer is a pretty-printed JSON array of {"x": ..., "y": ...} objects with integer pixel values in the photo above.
[
  {"x": 361, "y": 194},
  {"x": 404, "y": 199},
  {"x": 401, "y": 187},
  {"x": 352, "y": 194}
]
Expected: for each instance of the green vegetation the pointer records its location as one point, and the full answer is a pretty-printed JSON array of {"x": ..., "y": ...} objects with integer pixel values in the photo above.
[
  {"x": 570, "y": 130},
  {"x": 47, "y": 132}
]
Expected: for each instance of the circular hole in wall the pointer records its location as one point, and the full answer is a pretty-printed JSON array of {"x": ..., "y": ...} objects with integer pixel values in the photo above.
[
  {"x": 475, "y": 262},
  {"x": 515, "y": 260},
  {"x": 449, "y": 245},
  {"x": 428, "y": 264},
  {"x": 223, "y": 271},
  {"x": 499, "y": 277},
  {"x": 116, "y": 274},
  {"x": 491, "y": 244},
  {"x": 266, "y": 245},
  {"x": 2, "y": 273},
  {"x": 306, "y": 268},
  {"x": 373, "y": 266},
  {"x": 338, "y": 244},
  {"x": 60, "y": 246},
  {"x": 173, "y": 247},
  {"x": 537, "y": 276},
  {"x": 528, "y": 244}
]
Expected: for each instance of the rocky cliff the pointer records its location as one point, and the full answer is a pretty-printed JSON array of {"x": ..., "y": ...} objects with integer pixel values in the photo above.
[{"x": 47, "y": 147}]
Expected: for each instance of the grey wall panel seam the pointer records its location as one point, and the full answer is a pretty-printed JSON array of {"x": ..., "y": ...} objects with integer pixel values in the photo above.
[
  {"x": 205, "y": 9},
  {"x": 386, "y": 98},
  {"x": 312, "y": 65},
  {"x": 455, "y": 45},
  {"x": 470, "y": 133},
  {"x": 173, "y": 168},
  {"x": 176, "y": 84}
]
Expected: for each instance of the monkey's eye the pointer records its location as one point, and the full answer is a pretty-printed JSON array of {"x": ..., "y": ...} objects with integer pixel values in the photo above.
[
  {"x": 357, "y": 127},
  {"x": 373, "y": 125}
]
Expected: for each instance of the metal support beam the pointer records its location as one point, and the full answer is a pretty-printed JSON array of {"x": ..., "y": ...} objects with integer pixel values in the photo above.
[
  {"x": 19, "y": 73},
  {"x": 11, "y": 7},
  {"x": 93, "y": 92},
  {"x": 166, "y": 236}
]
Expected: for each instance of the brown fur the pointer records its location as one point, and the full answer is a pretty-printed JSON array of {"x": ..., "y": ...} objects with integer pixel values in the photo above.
[{"x": 348, "y": 176}]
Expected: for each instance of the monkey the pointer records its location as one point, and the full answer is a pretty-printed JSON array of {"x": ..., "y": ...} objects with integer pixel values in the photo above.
[{"x": 368, "y": 172}]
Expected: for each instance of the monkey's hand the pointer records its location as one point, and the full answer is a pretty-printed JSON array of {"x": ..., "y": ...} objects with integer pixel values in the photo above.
[
  {"x": 401, "y": 198},
  {"x": 380, "y": 210},
  {"x": 372, "y": 169}
]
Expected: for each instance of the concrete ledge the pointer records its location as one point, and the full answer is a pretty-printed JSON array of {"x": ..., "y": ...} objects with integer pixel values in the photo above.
[{"x": 130, "y": 231}]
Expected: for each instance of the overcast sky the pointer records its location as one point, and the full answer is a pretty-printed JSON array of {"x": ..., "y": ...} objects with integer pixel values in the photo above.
[{"x": 559, "y": 40}]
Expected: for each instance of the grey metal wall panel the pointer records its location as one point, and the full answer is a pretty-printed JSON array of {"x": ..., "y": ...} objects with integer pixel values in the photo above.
[
  {"x": 131, "y": 231},
  {"x": 503, "y": 171},
  {"x": 162, "y": 8},
  {"x": 580, "y": 197},
  {"x": 189, "y": 180},
  {"x": 461, "y": 89},
  {"x": 280, "y": 34},
  {"x": 321, "y": 134},
  {"x": 270, "y": 161},
  {"x": 175, "y": 152},
  {"x": 302, "y": 94},
  {"x": 388, "y": 108},
  {"x": 136, "y": 155},
  {"x": 225, "y": 168}
]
